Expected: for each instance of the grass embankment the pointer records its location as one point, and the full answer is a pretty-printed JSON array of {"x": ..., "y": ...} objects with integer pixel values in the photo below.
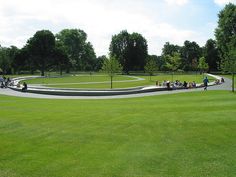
[
  {"x": 78, "y": 81},
  {"x": 172, "y": 135}
]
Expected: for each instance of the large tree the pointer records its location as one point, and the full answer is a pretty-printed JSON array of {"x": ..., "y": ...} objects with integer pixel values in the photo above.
[
  {"x": 226, "y": 38},
  {"x": 60, "y": 58},
  {"x": 170, "y": 49},
  {"x": 80, "y": 52},
  {"x": 130, "y": 50},
  {"x": 5, "y": 64},
  {"x": 211, "y": 54},
  {"x": 190, "y": 54},
  {"x": 22, "y": 61},
  {"x": 41, "y": 47}
]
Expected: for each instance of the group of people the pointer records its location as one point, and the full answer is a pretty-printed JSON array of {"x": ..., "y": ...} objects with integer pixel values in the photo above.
[
  {"x": 177, "y": 84},
  {"x": 4, "y": 82}
]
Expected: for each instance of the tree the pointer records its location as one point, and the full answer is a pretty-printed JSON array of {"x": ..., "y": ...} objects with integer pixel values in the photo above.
[
  {"x": 150, "y": 67},
  {"x": 41, "y": 47},
  {"x": 80, "y": 52},
  {"x": 12, "y": 51},
  {"x": 99, "y": 62},
  {"x": 190, "y": 54},
  {"x": 138, "y": 52},
  {"x": 173, "y": 63},
  {"x": 203, "y": 66},
  {"x": 20, "y": 60},
  {"x": 111, "y": 66},
  {"x": 88, "y": 58},
  {"x": 61, "y": 59},
  {"x": 226, "y": 38},
  {"x": 130, "y": 50},
  {"x": 211, "y": 53},
  {"x": 229, "y": 65},
  {"x": 170, "y": 49},
  {"x": 4, "y": 60}
]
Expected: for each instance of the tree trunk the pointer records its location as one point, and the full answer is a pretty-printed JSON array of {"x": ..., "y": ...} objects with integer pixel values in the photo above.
[
  {"x": 42, "y": 72},
  {"x": 61, "y": 71},
  {"x": 111, "y": 81},
  {"x": 172, "y": 76},
  {"x": 67, "y": 69}
]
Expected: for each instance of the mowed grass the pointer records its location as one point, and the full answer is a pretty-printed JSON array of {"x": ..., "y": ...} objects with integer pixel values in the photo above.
[
  {"x": 190, "y": 134},
  {"x": 87, "y": 81},
  {"x": 76, "y": 79}
]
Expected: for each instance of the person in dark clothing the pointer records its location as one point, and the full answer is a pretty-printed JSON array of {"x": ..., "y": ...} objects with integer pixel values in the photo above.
[
  {"x": 185, "y": 85},
  {"x": 24, "y": 87},
  {"x": 168, "y": 85},
  {"x": 205, "y": 82}
]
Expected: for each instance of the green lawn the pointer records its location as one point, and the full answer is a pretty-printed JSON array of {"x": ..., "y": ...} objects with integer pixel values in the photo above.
[
  {"x": 77, "y": 81},
  {"x": 190, "y": 134}
]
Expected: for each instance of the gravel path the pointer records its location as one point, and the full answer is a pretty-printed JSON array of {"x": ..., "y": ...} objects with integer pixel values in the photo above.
[{"x": 225, "y": 86}]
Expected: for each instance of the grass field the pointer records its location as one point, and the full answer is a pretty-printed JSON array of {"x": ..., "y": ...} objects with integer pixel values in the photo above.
[
  {"x": 79, "y": 81},
  {"x": 190, "y": 134}
]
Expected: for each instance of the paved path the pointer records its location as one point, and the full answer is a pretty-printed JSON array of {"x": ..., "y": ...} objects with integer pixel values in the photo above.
[{"x": 9, "y": 92}]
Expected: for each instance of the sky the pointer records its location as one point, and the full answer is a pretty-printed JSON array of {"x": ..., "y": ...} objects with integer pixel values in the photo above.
[{"x": 159, "y": 21}]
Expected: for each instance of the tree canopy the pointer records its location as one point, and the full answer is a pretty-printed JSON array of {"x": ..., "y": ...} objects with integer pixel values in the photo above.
[
  {"x": 130, "y": 50},
  {"x": 80, "y": 52},
  {"x": 41, "y": 47},
  {"x": 226, "y": 38},
  {"x": 111, "y": 66}
]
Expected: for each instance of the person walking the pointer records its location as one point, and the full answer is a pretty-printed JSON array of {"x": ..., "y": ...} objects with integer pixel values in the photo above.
[{"x": 205, "y": 82}]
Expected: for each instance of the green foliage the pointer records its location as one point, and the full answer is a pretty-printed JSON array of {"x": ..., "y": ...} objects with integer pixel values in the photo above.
[
  {"x": 7, "y": 56},
  {"x": 41, "y": 47},
  {"x": 190, "y": 54},
  {"x": 173, "y": 62},
  {"x": 170, "y": 49},
  {"x": 150, "y": 67},
  {"x": 191, "y": 134},
  {"x": 130, "y": 50},
  {"x": 4, "y": 60},
  {"x": 80, "y": 52},
  {"x": 111, "y": 66},
  {"x": 226, "y": 38},
  {"x": 99, "y": 62},
  {"x": 226, "y": 30},
  {"x": 61, "y": 59},
  {"x": 203, "y": 66},
  {"x": 211, "y": 54}
]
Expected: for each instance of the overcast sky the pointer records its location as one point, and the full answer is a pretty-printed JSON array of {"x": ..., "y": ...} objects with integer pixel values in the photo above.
[{"x": 158, "y": 21}]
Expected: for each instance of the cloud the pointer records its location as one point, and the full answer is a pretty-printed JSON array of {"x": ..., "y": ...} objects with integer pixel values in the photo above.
[
  {"x": 19, "y": 20},
  {"x": 223, "y": 2},
  {"x": 177, "y": 2}
]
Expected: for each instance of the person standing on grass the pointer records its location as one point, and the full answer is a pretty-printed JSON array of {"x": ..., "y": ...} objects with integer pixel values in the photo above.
[{"x": 205, "y": 82}]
